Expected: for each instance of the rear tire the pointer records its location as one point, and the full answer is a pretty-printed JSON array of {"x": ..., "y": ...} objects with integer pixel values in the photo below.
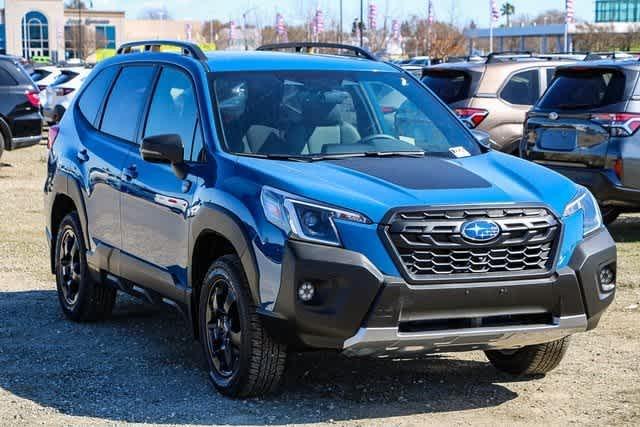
[
  {"x": 81, "y": 298},
  {"x": 1, "y": 144},
  {"x": 242, "y": 358},
  {"x": 609, "y": 214},
  {"x": 531, "y": 360}
]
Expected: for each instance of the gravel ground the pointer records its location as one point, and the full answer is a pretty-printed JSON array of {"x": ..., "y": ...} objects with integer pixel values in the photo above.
[{"x": 142, "y": 366}]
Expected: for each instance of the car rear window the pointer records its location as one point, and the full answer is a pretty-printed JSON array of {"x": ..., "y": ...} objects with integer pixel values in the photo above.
[
  {"x": 584, "y": 89},
  {"x": 450, "y": 86},
  {"x": 38, "y": 75},
  {"x": 64, "y": 77}
]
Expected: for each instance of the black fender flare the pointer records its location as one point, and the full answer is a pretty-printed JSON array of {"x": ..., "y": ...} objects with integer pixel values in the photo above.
[
  {"x": 65, "y": 185},
  {"x": 216, "y": 219}
]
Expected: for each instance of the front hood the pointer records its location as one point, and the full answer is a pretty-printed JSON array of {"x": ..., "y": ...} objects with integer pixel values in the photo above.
[{"x": 373, "y": 186}]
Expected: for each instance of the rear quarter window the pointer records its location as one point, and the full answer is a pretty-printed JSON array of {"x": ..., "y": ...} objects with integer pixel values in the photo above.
[
  {"x": 92, "y": 97},
  {"x": 452, "y": 86},
  {"x": 522, "y": 88},
  {"x": 7, "y": 79},
  {"x": 588, "y": 89}
]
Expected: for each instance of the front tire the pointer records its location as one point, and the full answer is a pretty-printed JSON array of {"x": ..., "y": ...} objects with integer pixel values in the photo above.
[
  {"x": 243, "y": 360},
  {"x": 81, "y": 298},
  {"x": 531, "y": 360}
]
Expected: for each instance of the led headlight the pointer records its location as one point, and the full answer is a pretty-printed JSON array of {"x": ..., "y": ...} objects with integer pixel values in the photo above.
[
  {"x": 304, "y": 219},
  {"x": 585, "y": 202}
]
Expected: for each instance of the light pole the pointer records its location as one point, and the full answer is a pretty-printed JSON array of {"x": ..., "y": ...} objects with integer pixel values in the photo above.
[
  {"x": 244, "y": 26},
  {"x": 341, "y": 27},
  {"x": 361, "y": 23}
]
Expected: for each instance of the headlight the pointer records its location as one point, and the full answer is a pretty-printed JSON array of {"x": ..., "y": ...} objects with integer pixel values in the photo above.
[
  {"x": 304, "y": 219},
  {"x": 585, "y": 202}
]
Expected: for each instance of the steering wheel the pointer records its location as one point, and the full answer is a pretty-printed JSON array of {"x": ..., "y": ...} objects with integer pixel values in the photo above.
[{"x": 368, "y": 139}]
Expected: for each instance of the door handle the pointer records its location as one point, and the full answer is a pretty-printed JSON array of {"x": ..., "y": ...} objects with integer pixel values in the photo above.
[
  {"x": 83, "y": 155},
  {"x": 130, "y": 173}
]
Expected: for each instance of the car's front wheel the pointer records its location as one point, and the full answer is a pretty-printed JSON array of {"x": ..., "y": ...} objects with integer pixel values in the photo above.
[
  {"x": 531, "y": 360},
  {"x": 243, "y": 359},
  {"x": 81, "y": 298}
]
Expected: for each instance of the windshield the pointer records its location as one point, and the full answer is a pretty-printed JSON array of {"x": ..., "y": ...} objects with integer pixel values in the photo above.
[
  {"x": 64, "y": 77},
  {"x": 315, "y": 114}
]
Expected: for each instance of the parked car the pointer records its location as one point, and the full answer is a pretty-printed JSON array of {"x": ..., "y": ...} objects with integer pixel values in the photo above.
[
  {"x": 416, "y": 64},
  {"x": 495, "y": 95},
  {"x": 20, "y": 118},
  {"x": 44, "y": 77},
  {"x": 281, "y": 208},
  {"x": 61, "y": 92},
  {"x": 585, "y": 127}
]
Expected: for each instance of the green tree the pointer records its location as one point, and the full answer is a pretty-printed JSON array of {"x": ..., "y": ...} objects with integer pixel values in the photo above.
[{"x": 508, "y": 10}]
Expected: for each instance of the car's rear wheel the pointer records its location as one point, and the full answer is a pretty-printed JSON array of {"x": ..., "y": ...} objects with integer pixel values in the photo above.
[
  {"x": 609, "y": 214},
  {"x": 1, "y": 144},
  {"x": 243, "y": 359},
  {"x": 531, "y": 360},
  {"x": 81, "y": 298}
]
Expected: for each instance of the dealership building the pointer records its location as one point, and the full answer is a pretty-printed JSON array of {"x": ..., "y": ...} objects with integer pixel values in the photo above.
[{"x": 45, "y": 28}]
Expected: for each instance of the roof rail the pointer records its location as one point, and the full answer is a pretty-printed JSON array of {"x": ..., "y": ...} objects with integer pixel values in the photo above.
[
  {"x": 509, "y": 55},
  {"x": 188, "y": 48},
  {"x": 595, "y": 56},
  {"x": 299, "y": 46}
]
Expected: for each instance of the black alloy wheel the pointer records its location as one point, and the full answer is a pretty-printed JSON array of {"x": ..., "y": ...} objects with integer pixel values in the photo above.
[
  {"x": 224, "y": 332},
  {"x": 69, "y": 261}
]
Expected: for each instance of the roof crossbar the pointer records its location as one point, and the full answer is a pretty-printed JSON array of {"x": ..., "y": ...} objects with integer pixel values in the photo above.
[
  {"x": 188, "y": 48},
  {"x": 305, "y": 47}
]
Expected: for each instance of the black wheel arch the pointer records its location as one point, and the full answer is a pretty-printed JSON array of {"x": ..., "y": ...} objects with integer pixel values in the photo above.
[
  {"x": 219, "y": 232},
  {"x": 67, "y": 197}
]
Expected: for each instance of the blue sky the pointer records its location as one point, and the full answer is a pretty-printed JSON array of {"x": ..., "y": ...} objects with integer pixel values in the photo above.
[{"x": 463, "y": 10}]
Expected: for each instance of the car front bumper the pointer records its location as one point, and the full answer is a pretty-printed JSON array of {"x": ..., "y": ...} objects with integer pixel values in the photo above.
[{"x": 361, "y": 312}]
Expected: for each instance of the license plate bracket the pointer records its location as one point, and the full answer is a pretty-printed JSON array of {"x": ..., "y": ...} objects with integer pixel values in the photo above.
[{"x": 558, "y": 139}]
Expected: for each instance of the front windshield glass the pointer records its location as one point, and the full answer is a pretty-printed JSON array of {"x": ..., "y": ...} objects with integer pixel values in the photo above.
[{"x": 316, "y": 114}]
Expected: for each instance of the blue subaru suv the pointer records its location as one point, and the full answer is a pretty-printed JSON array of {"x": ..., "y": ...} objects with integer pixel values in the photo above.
[{"x": 285, "y": 201}]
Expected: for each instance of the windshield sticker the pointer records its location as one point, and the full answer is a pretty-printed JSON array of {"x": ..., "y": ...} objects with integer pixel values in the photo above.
[{"x": 459, "y": 152}]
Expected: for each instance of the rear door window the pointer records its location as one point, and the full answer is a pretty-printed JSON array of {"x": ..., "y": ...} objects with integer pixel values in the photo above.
[
  {"x": 451, "y": 86},
  {"x": 523, "y": 88},
  {"x": 588, "y": 89},
  {"x": 92, "y": 97},
  {"x": 126, "y": 102}
]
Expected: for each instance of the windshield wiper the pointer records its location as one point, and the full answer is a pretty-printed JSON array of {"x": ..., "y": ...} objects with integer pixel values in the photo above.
[
  {"x": 292, "y": 158},
  {"x": 338, "y": 156}
]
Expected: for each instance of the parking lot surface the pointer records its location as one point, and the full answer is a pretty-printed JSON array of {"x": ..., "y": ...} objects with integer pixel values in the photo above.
[{"x": 141, "y": 366}]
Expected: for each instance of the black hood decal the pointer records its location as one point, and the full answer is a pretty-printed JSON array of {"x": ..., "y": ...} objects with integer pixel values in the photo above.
[{"x": 424, "y": 173}]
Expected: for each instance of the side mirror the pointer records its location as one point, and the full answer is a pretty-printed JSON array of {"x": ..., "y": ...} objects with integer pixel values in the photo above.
[
  {"x": 163, "y": 149},
  {"x": 483, "y": 138}
]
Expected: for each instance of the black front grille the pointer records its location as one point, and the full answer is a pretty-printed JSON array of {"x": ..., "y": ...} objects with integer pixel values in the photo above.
[{"x": 429, "y": 244}]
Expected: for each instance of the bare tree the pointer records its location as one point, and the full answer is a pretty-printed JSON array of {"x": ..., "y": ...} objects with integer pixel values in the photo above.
[
  {"x": 155, "y": 13},
  {"x": 82, "y": 40},
  {"x": 75, "y": 4}
]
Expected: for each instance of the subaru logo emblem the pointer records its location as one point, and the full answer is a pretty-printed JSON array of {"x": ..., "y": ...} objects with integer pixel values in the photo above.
[
  {"x": 553, "y": 116},
  {"x": 480, "y": 230}
]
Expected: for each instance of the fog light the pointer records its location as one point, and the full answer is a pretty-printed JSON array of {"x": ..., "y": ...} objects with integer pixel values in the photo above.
[
  {"x": 607, "y": 279},
  {"x": 306, "y": 291}
]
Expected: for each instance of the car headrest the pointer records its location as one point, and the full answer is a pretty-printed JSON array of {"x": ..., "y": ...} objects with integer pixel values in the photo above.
[{"x": 324, "y": 108}]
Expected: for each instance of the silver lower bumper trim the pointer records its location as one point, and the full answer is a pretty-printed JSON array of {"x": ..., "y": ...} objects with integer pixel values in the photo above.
[
  {"x": 390, "y": 341},
  {"x": 26, "y": 140}
]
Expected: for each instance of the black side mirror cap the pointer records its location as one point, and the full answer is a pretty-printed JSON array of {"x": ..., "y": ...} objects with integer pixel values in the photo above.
[{"x": 163, "y": 149}]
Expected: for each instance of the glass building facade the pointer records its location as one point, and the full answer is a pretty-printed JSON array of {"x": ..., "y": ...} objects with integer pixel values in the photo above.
[{"x": 617, "y": 10}]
